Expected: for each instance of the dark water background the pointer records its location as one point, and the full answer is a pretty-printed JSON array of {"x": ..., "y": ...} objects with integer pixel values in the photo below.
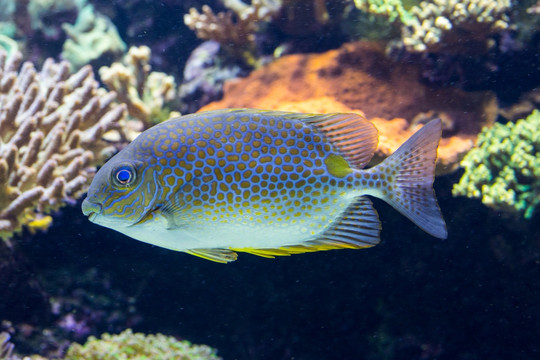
[{"x": 472, "y": 296}]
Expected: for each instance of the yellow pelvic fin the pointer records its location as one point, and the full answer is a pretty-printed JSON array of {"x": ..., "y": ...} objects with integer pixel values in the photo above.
[{"x": 218, "y": 255}]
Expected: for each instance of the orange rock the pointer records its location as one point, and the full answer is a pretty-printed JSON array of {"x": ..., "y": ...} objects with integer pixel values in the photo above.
[{"x": 360, "y": 76}]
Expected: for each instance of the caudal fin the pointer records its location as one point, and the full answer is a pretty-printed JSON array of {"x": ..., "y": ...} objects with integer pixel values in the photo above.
[{"x": 412, "y": 170}]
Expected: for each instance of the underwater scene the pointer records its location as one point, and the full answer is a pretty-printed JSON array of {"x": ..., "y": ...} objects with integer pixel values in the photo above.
[{"x": 270, "y": 179}]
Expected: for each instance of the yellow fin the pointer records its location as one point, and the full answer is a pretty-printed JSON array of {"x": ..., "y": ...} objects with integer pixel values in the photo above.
[{"x": 218, "y": 255}]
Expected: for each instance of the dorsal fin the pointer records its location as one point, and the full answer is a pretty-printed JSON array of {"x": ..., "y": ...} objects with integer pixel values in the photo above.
[
  {"x": 218, "y": 255},
  {"x": 355, "y": 137},
  {"x": 357, "y": 228},
  {"x": 352, "y": 134}
]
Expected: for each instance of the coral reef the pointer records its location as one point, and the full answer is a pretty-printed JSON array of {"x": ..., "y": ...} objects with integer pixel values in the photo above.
[
  {"x": 392, "y": 9},
  {"x": 359, "y": 76},
  {"x": 148, "y": 95},
  {"x": 454, "y": 26},
  {"x": 448, "y": 26},
  {"x": 91, "y": 39},
  {"x": 504, "y": 169},
  {"x": 137, "y": 346},
  {"x": 46, "y": 16},
  {"x": 6, "y": 348},
  {"x": 204, "y": 74},
  {"x": 237, "y": 36},
  {"x": 51, "y": 128}
]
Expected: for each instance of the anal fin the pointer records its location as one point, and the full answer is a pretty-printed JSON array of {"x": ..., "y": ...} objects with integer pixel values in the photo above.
[
  {"x": 218, "y": 255},
  {"x": 358, "y": 227}
]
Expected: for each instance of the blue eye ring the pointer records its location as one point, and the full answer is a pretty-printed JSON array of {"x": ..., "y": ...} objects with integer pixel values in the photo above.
[{"x": 124, "y": 175}]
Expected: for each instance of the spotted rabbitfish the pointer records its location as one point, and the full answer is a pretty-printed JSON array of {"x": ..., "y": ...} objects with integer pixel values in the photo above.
[{"x": 263, "y": 182}]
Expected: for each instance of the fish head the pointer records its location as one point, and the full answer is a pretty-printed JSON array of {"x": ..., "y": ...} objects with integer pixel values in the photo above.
[{"x": 122, "y": 192}]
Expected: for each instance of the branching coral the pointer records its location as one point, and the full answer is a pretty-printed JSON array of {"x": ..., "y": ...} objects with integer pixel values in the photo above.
[
  {"x": 128, "y": 345},
  {"x": 147, "y": 94},
  {"x": 451, "y": 26},
  {"x": 237, "y": 36},
  {"x": 51, "y": 128},
  {"x": 454, "y": 25},
  {"x": 504, "y": 169}
]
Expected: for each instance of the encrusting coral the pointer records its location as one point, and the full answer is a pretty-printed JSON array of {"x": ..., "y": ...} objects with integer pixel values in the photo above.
[
  {"x": 137, "y": 346},
  {"x": 146, "y": 93},
  {"x": 504, "y": 169},
  {"x": 51, "y": 137}
]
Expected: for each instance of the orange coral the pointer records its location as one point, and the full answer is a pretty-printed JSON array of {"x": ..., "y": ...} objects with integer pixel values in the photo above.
[{"x": 359, "y": 76}]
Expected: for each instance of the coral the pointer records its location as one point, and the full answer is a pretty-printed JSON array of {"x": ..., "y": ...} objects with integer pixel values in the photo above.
[
  {"x": 204, "y": 74},
  {"x": 92, "y": 38},
  {"x": 359, "y": 76},
  {"x": 147, "y": 94},
  {"x": 504, "y": 169},
  {"x": 236, "y": 36},
  {"x": 392, "y": 9},
  {"x": 454, "y": 26},
  {"x": 6, "y": 348},
  {"x": 51, "y": 128},
  {"x": 137, "y": 346},
  {"x": 45, "y": 16}
]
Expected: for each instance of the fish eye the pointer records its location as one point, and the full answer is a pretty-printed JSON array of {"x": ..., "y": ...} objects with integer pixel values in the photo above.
[{"x": 124, "y": 175}]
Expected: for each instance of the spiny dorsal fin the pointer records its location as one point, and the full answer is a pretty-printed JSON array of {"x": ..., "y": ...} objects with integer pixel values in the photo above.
[
  {"x": 357, "y": 228},
  {"x": 352, "y": 134},
  {"x": 355, "y": 137},
  {"x": 218, "y": 255}
]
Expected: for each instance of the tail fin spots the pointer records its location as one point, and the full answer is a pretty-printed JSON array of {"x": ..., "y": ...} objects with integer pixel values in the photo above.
[{"x": 412, "y": 167}]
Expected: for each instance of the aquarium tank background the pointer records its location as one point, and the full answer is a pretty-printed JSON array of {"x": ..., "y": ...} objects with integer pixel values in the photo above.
[{"x": 80, "y": 79}]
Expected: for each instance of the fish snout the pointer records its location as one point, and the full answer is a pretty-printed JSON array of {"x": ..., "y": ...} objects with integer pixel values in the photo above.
[{"x": 90, "y": 209}]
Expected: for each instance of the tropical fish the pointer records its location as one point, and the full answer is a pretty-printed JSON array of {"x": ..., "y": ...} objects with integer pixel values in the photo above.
[{"x": 267, "y": 183}]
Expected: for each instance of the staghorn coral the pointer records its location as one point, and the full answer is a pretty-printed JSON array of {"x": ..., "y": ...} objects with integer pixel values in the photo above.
[
  {"x": 137, "y": 346},
  {"x": 504, "y": 169},
  {"x": 51, "y": 128},
  {"x": 359, "y": 76},
  {"x": 453, "y": 25},
  {"x": 238, "y": 36},
  {"x": 93, "y": 37},
  {"x": 147, "y": 94}
]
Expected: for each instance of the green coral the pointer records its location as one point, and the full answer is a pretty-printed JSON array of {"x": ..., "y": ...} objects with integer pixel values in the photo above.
[
  {"x": 392, "y": 9},
  {"x": 137, "y": 346},
  {"x": 504, "y": 169}
]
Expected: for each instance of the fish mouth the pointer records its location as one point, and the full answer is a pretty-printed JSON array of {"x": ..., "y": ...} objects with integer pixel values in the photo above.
[{"x": 90, "y": 209}]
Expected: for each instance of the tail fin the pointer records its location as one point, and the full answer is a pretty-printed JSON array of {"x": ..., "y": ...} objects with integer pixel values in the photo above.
[{"x": 412, "y": 169}]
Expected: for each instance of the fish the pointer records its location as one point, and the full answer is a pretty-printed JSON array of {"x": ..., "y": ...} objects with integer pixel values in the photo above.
[{"x": 268, "y": 183}]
